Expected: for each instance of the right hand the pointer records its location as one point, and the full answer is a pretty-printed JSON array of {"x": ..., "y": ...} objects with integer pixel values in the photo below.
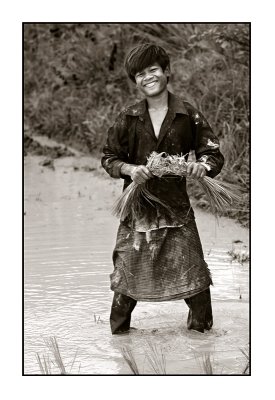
[{"x": 140, "y": 174}]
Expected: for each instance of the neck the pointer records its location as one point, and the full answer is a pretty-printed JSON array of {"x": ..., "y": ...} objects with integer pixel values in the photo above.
[{"x": 158, "y": 102}]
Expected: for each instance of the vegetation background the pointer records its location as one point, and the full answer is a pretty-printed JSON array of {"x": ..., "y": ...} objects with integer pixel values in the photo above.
[{"x": 75, "y": 84}]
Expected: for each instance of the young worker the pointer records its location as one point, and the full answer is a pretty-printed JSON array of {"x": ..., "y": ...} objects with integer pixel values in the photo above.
[{"x": 167, "y": 263}]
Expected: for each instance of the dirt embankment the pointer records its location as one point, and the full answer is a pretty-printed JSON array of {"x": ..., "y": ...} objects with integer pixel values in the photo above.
[{"x": 43, "y": 146}]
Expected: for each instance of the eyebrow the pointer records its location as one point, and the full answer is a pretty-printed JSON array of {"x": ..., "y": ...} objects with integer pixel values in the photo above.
[{"x": 150, "y": 66}]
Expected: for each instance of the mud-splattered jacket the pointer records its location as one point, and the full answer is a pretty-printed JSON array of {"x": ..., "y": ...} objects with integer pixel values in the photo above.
[{"x": 131, "y": 139}]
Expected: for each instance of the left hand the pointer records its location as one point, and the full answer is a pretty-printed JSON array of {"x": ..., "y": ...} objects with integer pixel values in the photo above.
[{"x": 195, "y": 170}]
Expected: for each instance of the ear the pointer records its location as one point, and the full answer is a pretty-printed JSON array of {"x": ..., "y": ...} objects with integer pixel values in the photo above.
[{"x": 167, "y": 71}]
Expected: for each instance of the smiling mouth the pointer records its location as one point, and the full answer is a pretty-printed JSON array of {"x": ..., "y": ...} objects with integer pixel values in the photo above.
[{"x": 151, "y": 84}]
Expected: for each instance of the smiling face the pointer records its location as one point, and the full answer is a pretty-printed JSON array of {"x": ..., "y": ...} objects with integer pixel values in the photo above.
[{"x": 152, "y": 81}]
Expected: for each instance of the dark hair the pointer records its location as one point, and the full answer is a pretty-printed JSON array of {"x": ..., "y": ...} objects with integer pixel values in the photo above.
[{"x": 144, "y": 55}]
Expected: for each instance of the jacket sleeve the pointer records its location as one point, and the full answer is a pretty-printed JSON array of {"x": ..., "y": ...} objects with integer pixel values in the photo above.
[
  {"x": 206, "y": 144},
  {"x": 116, "y": 148}
]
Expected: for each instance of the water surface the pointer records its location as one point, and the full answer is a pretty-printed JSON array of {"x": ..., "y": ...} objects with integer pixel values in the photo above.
[{"x": 69, "y": 237}]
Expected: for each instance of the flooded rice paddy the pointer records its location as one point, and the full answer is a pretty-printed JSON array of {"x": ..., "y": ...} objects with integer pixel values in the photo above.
[{"x": 69, "y": 237}]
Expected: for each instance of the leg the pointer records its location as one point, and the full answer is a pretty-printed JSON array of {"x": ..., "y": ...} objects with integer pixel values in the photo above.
[
  {"x": 200, "y": 311},
  {"x": 122, "y": 308},
  {"x": 208, "y": 322}
]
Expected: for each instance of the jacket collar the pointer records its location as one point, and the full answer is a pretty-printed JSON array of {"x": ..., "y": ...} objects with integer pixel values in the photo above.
[{"x": 175, "y": 104}]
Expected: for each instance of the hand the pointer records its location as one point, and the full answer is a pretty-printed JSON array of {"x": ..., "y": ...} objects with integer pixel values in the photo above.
[
  {"x": 140, "y": 174},
  {"x": 195, "y": 170}
]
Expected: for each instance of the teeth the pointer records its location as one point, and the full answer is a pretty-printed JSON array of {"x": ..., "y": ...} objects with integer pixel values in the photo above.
[{"x": 150, "y": 84}]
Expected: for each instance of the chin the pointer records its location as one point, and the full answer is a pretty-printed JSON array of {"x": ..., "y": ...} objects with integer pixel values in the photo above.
[{"x": 153, "y": 93}]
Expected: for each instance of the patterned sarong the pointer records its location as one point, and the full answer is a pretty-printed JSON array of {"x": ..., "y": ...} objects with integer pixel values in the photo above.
[{"x": 159, "y": 265}]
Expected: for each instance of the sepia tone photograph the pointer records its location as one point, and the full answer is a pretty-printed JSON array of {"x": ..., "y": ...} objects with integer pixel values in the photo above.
[{"x": 136, "y": 198}]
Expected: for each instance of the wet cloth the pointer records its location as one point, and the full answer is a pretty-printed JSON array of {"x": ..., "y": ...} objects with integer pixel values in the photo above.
[
  {"x": 132, "y": 138},
  {"x": 159, "y": 265},
  {"x": 200, "y": 315},
  {"x": 121, "y": 313},
  {"x": 159, "y": 257}
]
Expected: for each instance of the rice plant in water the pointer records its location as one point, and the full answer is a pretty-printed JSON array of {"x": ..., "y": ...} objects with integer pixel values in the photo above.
[
  {"x": 247, "y": 366},
  {"x": 156, "y": 358},
  {"x": 239, "y": 251},
  {"x": 97, "y": 319},
  {"x": 221, "y": 195},
  {"x": 153, "y": 354},
  {"x": 130, "y": 359},
  {"x": 45, "y": 363},
  {"x": 206, "y": 364}
]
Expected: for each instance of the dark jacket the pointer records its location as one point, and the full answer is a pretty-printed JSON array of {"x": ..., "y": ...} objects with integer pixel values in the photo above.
[{"x": 131, "y": 139}]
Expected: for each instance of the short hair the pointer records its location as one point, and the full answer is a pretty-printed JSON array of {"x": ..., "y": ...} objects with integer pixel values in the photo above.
[{"x": 144, "y": 55}]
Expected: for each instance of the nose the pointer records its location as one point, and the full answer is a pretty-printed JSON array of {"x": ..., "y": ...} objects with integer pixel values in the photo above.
[{"x": 148, "y": 76}]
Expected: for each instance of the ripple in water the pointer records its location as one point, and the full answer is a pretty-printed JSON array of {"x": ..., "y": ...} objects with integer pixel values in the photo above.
[{"x": 68, "y": 250}]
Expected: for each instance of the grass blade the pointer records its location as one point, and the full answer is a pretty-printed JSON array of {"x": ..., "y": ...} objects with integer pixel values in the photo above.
[
  {"x": 130, "y": 360},
  {"x": 156, "y": 359}
]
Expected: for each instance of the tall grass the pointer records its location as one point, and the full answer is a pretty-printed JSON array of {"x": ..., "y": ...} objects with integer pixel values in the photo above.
[{"x": 75, "y": 83}]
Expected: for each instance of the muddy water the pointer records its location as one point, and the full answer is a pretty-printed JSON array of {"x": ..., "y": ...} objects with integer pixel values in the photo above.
[{"x": 69, "y": 237}]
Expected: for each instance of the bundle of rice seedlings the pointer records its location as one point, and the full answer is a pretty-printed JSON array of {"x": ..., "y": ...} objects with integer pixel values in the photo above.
[
  {"x": 221, "y": 195},
  {"x": 161, "y": 164},
  {"x": 129, "y": 201}
]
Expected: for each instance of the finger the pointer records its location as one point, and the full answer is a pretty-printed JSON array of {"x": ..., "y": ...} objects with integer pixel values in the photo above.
[
  {"x": 146, "y": 171},
  {"x": 202, "y": 173},
  {"x": 143, "y": 174},
  {"x": 138, "y": 179},
  {"x": 194, "y": 172},
  {"x": 143, "y": 178},
  {"x": 190, "y": 167},
  {"x": 149, "y": 174}
]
